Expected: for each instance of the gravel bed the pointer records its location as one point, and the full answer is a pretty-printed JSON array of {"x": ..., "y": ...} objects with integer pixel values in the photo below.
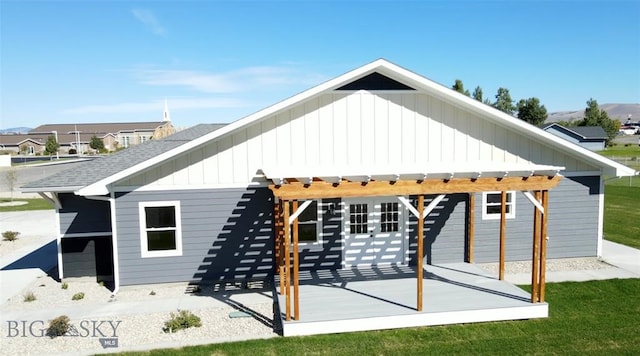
[
  {"x": 553, "y": 265},
  {"x": 136, "y": 330}
]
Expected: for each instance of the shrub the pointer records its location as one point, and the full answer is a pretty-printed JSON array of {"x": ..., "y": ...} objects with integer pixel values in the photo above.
[
  {"x": 10, "y": 235},
  {"x": 29, "y": 297},
  {"x": 58, "y": 326},
  {"x": 65, "y": 285},
  {"x": 77, "y": 296},
  {"x": 183, "y": 320}
]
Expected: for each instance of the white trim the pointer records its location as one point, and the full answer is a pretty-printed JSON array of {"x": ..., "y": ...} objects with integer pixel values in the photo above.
[
  {"x": 319, "y": 226},
  {"x": 299, "y": 211},
  {"x": 600, "y": 219},
  {"x": 156, "y": 188},
  {"x": 87, "y": 234},
  {"x": 144, "y": 247},
  {"x": 53, "y": 199},
  {"x": 533, "y": 200},
  {"x": 510, "y": 215},
  {"x": 114, "y": 244},
  {"x": 429, "y": 208},
  {"x": 59, "y": 245},
  {"x": 405, "y": 201}
]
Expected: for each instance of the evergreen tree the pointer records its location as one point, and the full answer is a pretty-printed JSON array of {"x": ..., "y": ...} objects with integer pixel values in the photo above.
[
  {"x": 96, "y": 143},
  {"x": 504, "y": 102},
  {"x": 531, "y": 111},
  {"x": 459, "y": 87},
  {"x": 477, "y": 93},
  {"x": 51, "y": 146}
]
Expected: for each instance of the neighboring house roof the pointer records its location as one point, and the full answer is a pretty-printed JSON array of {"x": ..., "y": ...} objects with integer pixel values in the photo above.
[
  {"x": 96, "y": 128},
  {"x": 98, "y": 185},
  {"x": 584, "y": 132},
  {"x": 15, "y": 140},
  {"x": 101, "y": 168}
]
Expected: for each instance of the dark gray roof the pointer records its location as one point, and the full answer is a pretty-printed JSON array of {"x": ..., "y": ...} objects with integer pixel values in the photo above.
[
  {"x": 591, "y": 132},
  {"x": 95, "y": 170}
]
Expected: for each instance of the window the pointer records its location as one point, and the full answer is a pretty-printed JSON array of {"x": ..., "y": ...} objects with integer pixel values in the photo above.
[
  {"x": 309, "y": 224},
  {"x": 160, "y": 229},
  {"x": 389, "y": 217},
  {"x": 492, "y": 205},
  {"x": 358, "y": 218},
  {"x": 125, "y": 141}
]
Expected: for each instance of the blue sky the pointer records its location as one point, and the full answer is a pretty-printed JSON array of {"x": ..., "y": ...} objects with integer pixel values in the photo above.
[{"x": 217, "y": 61}]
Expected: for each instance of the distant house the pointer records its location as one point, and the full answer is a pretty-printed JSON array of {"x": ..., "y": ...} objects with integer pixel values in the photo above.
[
  {"x": 75, "y": 138},
  {"x": 590, "y": 137}
]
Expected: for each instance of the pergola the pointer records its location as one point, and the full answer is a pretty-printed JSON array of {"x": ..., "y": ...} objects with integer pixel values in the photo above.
[{"x": 293, "y": 186}]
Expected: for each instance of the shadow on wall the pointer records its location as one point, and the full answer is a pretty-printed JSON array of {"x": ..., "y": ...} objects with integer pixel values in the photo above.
[
  {"x": 243, "y": 250},
  {"x": 434, "y": 225}
]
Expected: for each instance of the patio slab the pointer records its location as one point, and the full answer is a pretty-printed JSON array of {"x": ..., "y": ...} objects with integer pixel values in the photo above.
[{"x": 386, "y": 297}]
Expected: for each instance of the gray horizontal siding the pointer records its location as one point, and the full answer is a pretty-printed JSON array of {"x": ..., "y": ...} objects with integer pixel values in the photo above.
[
  {"x": 226, "y": 235},
  {"x": 444, "y": 230},
  {"x": 81, "y": 215},
  {"x": 327, "y": 255},
  {"x": 572, "y": 224}
]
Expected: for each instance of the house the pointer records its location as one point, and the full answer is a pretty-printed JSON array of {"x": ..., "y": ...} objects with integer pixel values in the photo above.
[
  {"x": 335, "y": 178},
  {"x": 593, "y": 138},
  {"x": 74, "y": 138}
]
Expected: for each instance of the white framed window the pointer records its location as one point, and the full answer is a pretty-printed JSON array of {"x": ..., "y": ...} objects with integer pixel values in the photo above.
[
  {"x": 492, "y": 205},
  {"x": 310, "y": 224},
  {"x": 160, "y": 229}
]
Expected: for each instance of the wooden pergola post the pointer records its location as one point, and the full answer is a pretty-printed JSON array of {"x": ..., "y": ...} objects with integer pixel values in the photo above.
[
  {"x": 471, "y": 227},
  {"x": 296, "y": 266},
  {"x": 420, "y": 250},
  {"x": 535, "y": 273},
  {"x": 503, "y": 232},
  {"x": 279, "y": 242},
  {"x": 543, "y": 244},
  {"x": 287, "y": 260}
]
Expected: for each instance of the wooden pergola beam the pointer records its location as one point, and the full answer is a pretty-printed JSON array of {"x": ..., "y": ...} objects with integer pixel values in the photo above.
[
  {"x": 420, "y": 250},
  {"x": 471, "y": 228},
  {"x": 503, "y": 232},
  {"x": 345, "y": 189}
]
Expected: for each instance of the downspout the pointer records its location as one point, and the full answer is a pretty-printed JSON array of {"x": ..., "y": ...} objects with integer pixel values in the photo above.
[{"x": 114, "y": 243}]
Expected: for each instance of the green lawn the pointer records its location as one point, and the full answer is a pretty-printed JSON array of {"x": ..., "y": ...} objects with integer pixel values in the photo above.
[
  {"x": 588, "y": 318},
  {"x": 622, "y": 212},
  {"x": 32, "y": 204}
]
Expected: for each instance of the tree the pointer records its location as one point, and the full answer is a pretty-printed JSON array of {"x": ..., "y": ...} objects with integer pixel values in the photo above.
[
  {"x": 504, "y": 102},
  {"x": 531, "y": 111},
  {"x": 477, "y": 93},
  {"x": 51, "y": 146},
  {"x": 593, "y": 116},
  {"x": 459, "y": 87},
  {"x": 11, "y": 175},
  {"x": 96, "y": 143}
]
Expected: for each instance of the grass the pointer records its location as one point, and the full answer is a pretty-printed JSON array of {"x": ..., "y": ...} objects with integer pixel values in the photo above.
[
  {"x": 587, "y": 318},
  {"x": 622, "y": 213},
  {"x": 32, "y": 204}
]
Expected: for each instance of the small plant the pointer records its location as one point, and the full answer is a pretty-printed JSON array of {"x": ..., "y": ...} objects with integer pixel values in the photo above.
[
  {"x": 152, "y": 293},
  {"x": 58, "y": 326},
  {"x": 77, "y": 296},
  {"x": 183, "y": 320},
  {"x": 29, "y": 297},
  {"x": 64, "y": 285},
  {"x": 101, "y": 283},
  {"x": 10, "y": 235}
]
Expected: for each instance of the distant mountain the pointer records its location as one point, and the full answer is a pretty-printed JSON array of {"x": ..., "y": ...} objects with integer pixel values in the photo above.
[
  {"x": 615, "y": 111},
  {"x": 15, "y": 130}
]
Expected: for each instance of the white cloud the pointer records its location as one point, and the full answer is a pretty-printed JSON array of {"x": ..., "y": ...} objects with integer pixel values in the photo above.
[
  {"x": 149, "y": 20},
  {"x": 242, "y": 80},
  {"x": 154, "y": 106}
]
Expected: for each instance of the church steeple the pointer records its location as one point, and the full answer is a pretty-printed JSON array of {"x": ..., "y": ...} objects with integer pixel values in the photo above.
[{"x": 166, "y": 116}]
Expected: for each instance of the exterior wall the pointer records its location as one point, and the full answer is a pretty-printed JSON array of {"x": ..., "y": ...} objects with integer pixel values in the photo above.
[
  {"x": 445, "y": 230},
  {"x": 328, "y": 254},
  {"x": 353, "y": 129},
  {"x": 572, "y": 224},
  {"x": 227, "y": 235},
  {"x": 80, "y": 215},
  {"x": 88, "y": 257}
]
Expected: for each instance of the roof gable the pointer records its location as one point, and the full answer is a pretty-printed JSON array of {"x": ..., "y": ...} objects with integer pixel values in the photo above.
[{"x": 384, "y": 69}]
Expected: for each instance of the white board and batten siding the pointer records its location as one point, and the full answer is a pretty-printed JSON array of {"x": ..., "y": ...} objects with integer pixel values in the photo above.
[{"x": 354, "y": 129}]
